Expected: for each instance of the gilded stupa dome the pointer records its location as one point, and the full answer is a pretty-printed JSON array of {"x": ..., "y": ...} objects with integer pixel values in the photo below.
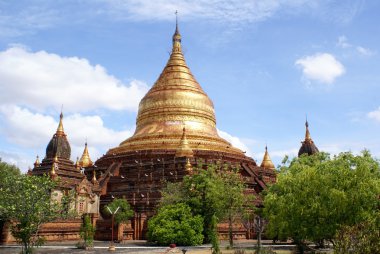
[
  {"x": 308, "y": 146},
  {"x": 175, "y": 100},
  {"x": 59, "y": 145}
]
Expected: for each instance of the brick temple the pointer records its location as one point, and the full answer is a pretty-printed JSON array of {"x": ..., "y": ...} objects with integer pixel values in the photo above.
[{"x": 175, "y": 131}]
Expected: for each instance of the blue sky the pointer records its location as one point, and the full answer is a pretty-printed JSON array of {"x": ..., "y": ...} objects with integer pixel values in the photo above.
[{"x": 265, "y": 65}]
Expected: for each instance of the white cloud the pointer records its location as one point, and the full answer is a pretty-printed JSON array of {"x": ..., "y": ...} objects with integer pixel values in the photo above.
[
  {"x": 218, "y": 10},
  {"x": 34, "y": 130},
  {"x": 235, "y": 141},
  {"x": 22, "y": 19},
  {"x": 321, "y": 67},
  {"x": 364, "y": 51},
  {"x": 21, "y": 161},
  {"x": 43, "y": 80},
  {"x": 375, "y": 115},
  {"x": 343, "y": 42}
]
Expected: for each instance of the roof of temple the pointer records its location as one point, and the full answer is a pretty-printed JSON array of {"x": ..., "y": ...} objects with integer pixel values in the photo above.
[
  {"x": 308, "y": 146},
  {"x": 59, "y": 145}
]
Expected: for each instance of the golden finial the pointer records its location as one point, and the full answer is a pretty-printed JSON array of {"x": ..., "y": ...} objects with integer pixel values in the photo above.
[
  {"x": 307, "y": 134},
  {"x": 77, "y": 165},
  {"x": 93, "y": 180},
  {"x": 267, "y": 162},
  {"x": 54, "y": 165},
  {"x": 176, "y": 36},
  {"x": 55, "y": 158},
  {"x": 60, "y": 131},
  {"x": 85, "y": 160},
  {"x": 188, "y": 166},
  {"x": 184, "y": 149},
  {"x": 37, "y": 162}
]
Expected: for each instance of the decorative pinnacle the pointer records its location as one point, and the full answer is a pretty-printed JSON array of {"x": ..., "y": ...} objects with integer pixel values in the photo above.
[
  {"x": 176, "y": 36},
  {"x": 93, "y": 180},
  {"x": 184, "y": 149},
  {"x": 60, "y": 130},
  {"x": 307, "y": 134},
  {"x": 37, "y": 162},
  {"x": 267, "y": 162}
]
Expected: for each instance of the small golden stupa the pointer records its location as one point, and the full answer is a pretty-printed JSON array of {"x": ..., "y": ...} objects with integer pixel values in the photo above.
[
  {"x": 267, "y": 162},
  {"x": 85, "y": 161}
]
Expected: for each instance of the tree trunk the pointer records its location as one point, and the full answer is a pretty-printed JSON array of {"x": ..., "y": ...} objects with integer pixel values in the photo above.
[{"x": 230, "y": 235}]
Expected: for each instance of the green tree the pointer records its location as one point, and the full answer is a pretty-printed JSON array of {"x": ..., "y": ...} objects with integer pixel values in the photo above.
[
  {"x": 175, "y": 224},
  {"x": 316, "y": 195},
  {"x": 124, "y": 213},
  {"x": 26, "y": 201},
  {"x": 216, "y": 194},
  {"x": 87, "y": 232}
]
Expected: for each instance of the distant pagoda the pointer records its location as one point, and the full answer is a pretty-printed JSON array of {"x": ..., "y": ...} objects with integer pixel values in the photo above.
[{"x": 308, "y": 147}]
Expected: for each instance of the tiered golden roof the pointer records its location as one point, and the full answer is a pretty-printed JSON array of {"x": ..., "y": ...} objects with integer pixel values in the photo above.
[
  {"x": 85, "y": 160},
  {"x": 267, "y": 162},
  {"x": 175, "y": 100}
]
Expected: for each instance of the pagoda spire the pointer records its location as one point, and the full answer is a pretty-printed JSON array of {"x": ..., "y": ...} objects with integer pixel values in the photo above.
[
  {"x": 184, "y": 149},
  {"x": 60, "y": 131},
  {"x": 54, "y": 165},
  {"x": 267, "y": 162},
  {"x": 85, "y": 160},
  {"x": 308, "y": 146},
  {"x": 176, "y": 37},
  {"x": 307, "y": 134},
  {"x": 37, "y": 162},
  {"x": 94, "y": 180}
]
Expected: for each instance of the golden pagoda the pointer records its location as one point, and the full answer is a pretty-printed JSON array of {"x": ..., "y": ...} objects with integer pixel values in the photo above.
[
  {"x": 175, "y": 100},
  {"x": 175, "y": 131}
]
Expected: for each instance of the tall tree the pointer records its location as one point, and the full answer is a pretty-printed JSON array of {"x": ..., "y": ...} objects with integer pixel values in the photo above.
[
  {"x": 27, "y": 202},
  {"x": 315, "y": 195}
]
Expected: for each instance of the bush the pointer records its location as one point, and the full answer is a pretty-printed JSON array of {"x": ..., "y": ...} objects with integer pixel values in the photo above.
[
  {"x": 175, "y": 224},
  {"x": 87, "y": 232}
]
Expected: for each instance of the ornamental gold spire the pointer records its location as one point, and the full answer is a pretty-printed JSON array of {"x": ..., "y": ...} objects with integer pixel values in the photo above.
[
  {"x": 85, "y": 160},
  {"x": 60, "y": 131},
  {"x": 54, "y": 165},
  {"x": 307, "y": 134},
  {"x": 37, "y": 162},
  {"x": 267, "y": 162},
  {"x": 176, "y": 99},
  {"x": 188, "y": 166},
  {"x": 176, "y": 36},
  {"x": 184, "y": 149},
  {"x": 308, "y": 146},
  {"x": 94, "y": 180},
  {"x": 77, "y": 165}
]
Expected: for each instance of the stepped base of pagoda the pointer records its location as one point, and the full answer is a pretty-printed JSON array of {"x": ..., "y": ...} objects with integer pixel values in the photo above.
[{"x": 139, "y": 176}]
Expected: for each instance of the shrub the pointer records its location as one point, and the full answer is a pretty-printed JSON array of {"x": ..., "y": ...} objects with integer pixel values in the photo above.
[
  {"x": 175, "y": 224},
  {"x": 87, "y": 232}
]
